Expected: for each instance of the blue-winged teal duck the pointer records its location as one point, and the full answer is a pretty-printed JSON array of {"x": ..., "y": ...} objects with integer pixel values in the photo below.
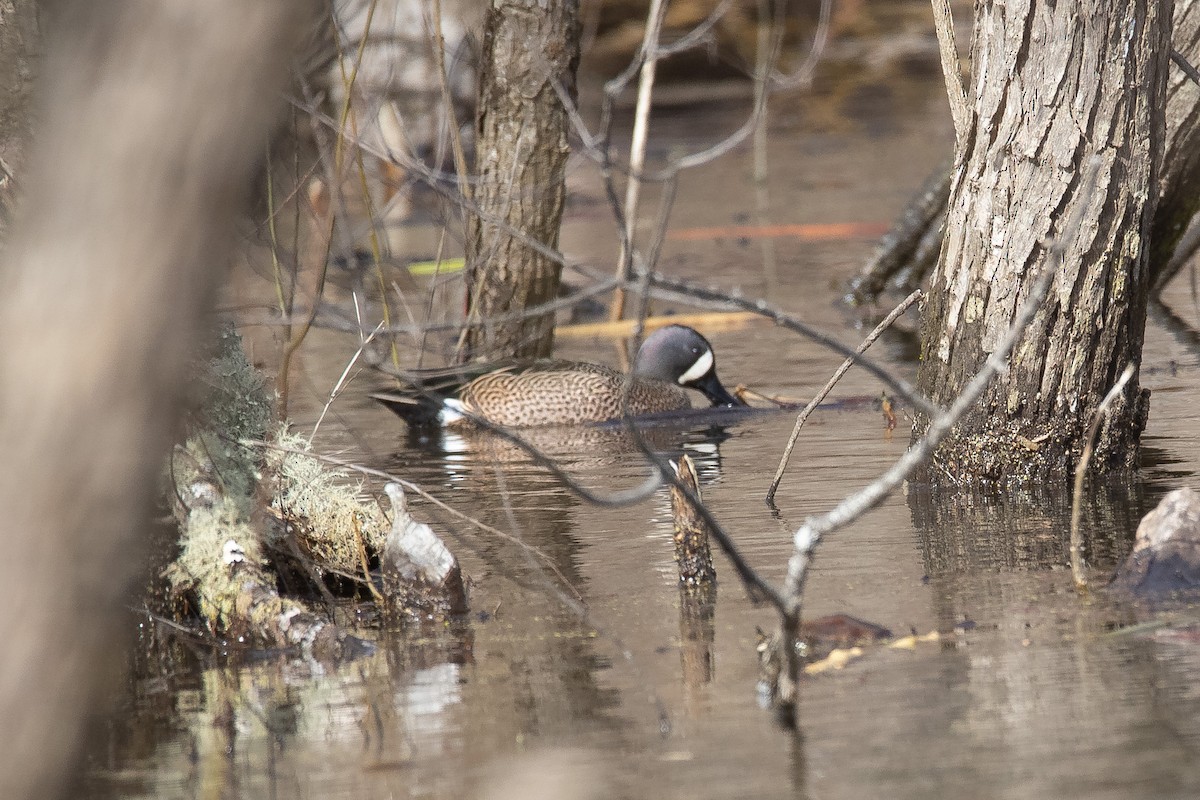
[{"x": 572, "y": 392}]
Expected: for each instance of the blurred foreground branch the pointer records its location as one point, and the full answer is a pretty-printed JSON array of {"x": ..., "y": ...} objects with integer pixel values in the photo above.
[{"x": 152, "y": 121}]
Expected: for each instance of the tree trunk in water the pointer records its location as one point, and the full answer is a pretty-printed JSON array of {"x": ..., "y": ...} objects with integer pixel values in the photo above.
[
  {"x": 1056, "y": 87},
  {"x": 530, "y": 47},
  {"x": 1178, "y": 199}
]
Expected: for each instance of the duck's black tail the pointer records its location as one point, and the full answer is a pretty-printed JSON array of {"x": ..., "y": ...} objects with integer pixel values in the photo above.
[
  {"x": 428, "y": 396},
  {"x": 418, "y": 410}
]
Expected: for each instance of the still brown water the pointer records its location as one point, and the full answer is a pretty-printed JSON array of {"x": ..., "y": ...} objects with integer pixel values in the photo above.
[{"x": 1032, "y": 691}]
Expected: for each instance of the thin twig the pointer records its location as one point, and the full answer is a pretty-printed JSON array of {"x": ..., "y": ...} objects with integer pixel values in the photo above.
[
  {"x": 897, "y": 312},
  {"x": 439, "y": 52},
  {"x": 943, "y": 22},
  {"x": 637, "y": 148},
  {"x": 341, "y": 381},
  {"x": 1185, "y": 65},
  {"x": 276, "y": 270},
  {"x": 803, "y": 76},
  {"x": 698, "y": 35},
  {"x": 283, "y": 380},
  {"x": 361, "y": 543},
  {"x": 1077, "y": 566}
]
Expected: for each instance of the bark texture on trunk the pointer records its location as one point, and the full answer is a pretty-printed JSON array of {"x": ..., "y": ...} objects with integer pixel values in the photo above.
[
  {"x": 521, "y": 159},
  {"x": 1054, "y": 86}
]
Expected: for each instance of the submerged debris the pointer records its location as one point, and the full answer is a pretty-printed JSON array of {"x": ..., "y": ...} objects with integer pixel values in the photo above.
[{"x": 826, "y": 642}]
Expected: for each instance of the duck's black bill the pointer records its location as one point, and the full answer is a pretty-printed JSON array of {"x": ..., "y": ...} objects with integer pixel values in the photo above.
[{"x": 715, "y": 392}]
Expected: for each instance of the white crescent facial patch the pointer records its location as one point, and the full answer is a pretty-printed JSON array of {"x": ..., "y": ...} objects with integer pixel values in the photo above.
[{"x": 699, "y": 369}]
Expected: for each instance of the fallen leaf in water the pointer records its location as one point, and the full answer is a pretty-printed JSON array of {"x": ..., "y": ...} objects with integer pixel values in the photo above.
[
  {"x": 889, "y": 414},
  {"x": 835, "y": 660},
  {"x": 911, "y": 641}
]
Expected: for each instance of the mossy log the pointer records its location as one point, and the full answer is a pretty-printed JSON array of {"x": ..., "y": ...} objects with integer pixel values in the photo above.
[
  {"x": 251, "y": 501},
  {"x": 334, "y": 525},
  {"x": 228, "y": 531},
  {"x": 222, "y": 567}
]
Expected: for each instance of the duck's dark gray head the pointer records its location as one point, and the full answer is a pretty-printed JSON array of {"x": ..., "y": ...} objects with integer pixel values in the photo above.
[{"x": 678, "y": 354}]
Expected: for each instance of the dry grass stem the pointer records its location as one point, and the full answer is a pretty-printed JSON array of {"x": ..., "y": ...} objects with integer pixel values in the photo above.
[{"x": 637, "y": 148}]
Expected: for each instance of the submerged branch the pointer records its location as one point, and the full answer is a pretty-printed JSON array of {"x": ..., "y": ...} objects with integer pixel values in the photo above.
[
  {"x": 902, "y": 247},
  {"x": 637, "y": 150}
]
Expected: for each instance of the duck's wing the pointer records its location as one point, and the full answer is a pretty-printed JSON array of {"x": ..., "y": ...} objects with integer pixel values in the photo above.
[{"x": 422, "y": 394}]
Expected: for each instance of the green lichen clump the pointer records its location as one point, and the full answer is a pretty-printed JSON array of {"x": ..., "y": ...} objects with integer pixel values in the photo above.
[
  {"x": 231, "y": 404},
  {"x": 234, "y": 395},
  {"x": 202, "y": 567},
  {"x": 333, "y": 508}
]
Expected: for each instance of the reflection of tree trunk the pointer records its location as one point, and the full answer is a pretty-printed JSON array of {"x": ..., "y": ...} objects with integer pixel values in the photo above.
[
  {"x": 530, "y": 48},
  {"x": 154, "y": 119},
  {"x": 968, "y": 531},
  {"x": 1057, "y": 87}
]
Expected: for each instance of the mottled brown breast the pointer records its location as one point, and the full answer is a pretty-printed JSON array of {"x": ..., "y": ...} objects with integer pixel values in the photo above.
[{"x": 566, "y": 394}]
